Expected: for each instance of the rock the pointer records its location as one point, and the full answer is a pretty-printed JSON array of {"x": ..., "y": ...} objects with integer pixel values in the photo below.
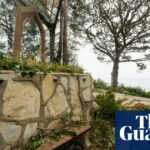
[
  {"x": 21, "y": 100},
  {"x": 64, "y": 82},
  {"x": 54, "y": 124},
  {"x": 10, "y": 132},
  {"x": 58, "y": 104},
  {"x": 48, "y": 87},
  {"x": 75, "y": 101},
  {"x": 85, "y": 81},
  {"x": 30, "y": 130},
  {"x": 7, "y": 148},
  {"x": 6, "y": 74},
  {"x": 87, "y": 94},
  {"x": 95, "y": 105},
  {"x": 41, "y": 125},
  {"x": 2, "y": 144}
]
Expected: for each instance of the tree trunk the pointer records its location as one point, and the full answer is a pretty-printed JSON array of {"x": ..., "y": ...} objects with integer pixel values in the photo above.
[
  {"x": 52, "y": 45},
  {"x": 65, "y": 44},
  {"x": 114, "y": 74},
  {"x": 10, "y": 39},
  {"x": 60, "y": 48}
]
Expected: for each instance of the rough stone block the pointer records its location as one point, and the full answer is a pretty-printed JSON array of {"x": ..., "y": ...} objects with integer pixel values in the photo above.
[
  {"x": 10, "y": 132},
  {"x": 7, "y": 148},
  {"x": 85, "y": 81},
  {"x": 87, "y": 94},
  {"x": 30, "y": 130},
  {"x": 48, "y": 87},
  {"x": 64, "y": 82},
  {"x": 75, "y": 100},
  {"x": 58, "y": 104},
  {"x": 54, "y": 124},
  {"x": 21, "y": 100}
]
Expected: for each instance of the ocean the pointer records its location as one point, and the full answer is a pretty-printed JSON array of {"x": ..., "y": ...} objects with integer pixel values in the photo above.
[{"x": 143, "y": 83}]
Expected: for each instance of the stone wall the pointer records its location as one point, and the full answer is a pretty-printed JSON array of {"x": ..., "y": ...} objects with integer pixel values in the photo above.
[{"x": 43, "y": 101}]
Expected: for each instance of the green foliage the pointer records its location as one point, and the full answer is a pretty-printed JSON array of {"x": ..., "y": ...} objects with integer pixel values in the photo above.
[
  {"x": 30, "y": 67},
  {"x": 107, "y": 105},
  {"x": 67, "y": 132},
  {"x": 147, "y": 94},
  {"x": 76, "y": 124},
  {"x": 134, "y": 91},
  {"x": 33, "y": 143},
  {"x": 102, "y": 135},
  {"x": 56, "y": 135},
  {"x": 99, "y": 84},
  {"x": 7, "y": 63}
]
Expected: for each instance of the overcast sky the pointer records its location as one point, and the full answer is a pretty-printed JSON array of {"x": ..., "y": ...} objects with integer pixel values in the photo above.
[{"x": 128, "y": 73}]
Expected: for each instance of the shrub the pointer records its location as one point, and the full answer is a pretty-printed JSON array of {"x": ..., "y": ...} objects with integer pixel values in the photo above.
[
  {"x": 107, "y": 105},
  {"x": 147, "y": 94},
  {"x": 28, "y": 65},
  {"x": 99, "y": 84},
  {"x": 7, "y": 63},
  {"x": 134, "y": 91},
  {"x": 102, "y": 134}
]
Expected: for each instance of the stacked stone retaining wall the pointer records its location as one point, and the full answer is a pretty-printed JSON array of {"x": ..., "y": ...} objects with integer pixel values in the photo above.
[{"x": 42, "y": 101}]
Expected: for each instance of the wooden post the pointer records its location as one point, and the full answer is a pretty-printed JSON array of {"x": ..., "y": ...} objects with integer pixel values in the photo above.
[
  {"x": 18, "y": 34},
  {"x": 22, "y": 13},
  {"x": 52, "y": 44}
]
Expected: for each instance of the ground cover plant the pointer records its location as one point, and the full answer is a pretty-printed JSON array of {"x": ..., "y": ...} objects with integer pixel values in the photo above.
[{"x": 25, "y": 66}]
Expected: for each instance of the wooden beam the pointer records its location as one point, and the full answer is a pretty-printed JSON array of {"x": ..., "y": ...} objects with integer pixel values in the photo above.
[
  {"x": 22, "y": 13},
  {"x": 18, "y": 34},
  {"x": 51, "y": 145}
]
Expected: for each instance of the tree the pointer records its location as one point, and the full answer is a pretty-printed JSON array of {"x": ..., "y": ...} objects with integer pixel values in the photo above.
[
  {"x": 119, "y": 30},
  {"x": 65, "y": 45},
  {"x": 6, "y": 23},
  {"x": 49, "y": 12},
  {"x": 60, "y": 48}
]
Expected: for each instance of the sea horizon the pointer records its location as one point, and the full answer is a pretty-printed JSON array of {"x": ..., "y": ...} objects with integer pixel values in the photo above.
[
  {"x": 132, "y": 82},
  {"x": 142, "y": 83}
]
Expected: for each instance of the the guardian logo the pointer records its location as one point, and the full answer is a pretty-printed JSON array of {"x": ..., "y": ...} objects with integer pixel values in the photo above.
[
  {"x": 127, "y": 133},
  {"x": 132, "y": 130}
]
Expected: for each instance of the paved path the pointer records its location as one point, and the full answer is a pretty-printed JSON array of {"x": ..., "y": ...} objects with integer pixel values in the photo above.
[{"x": 129, "y": 100}]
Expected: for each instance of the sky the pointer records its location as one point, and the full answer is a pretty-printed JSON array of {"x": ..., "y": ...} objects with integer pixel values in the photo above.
[{"x": 128, "y": 72}]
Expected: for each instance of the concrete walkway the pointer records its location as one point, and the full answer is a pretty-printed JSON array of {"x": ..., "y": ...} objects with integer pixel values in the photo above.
[{"x": 129, "y": 100}]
